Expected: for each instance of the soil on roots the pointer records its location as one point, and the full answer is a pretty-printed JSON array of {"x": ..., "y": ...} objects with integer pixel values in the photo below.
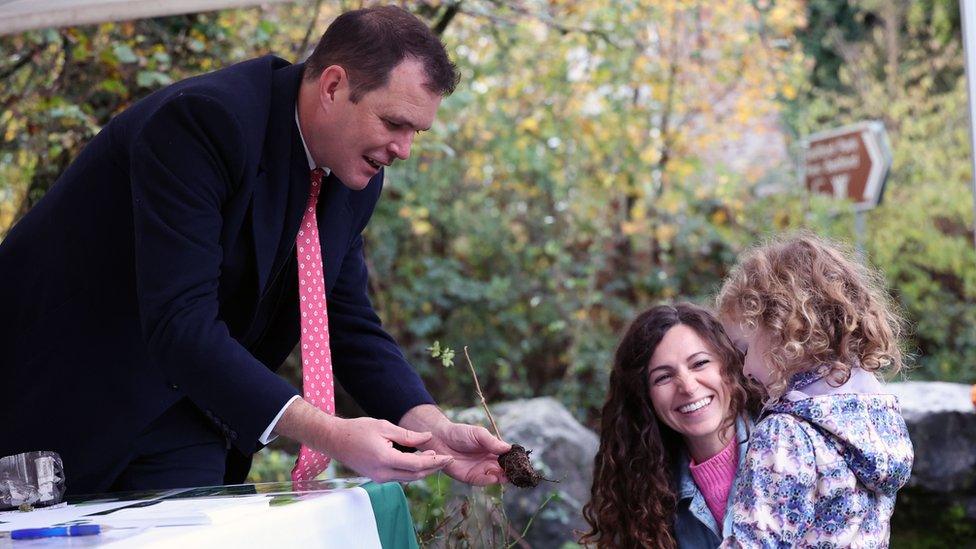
[{"x": 518, "y": 469}]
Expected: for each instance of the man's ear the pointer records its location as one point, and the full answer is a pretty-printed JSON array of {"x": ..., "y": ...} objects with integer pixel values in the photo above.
[{"x": 331, "y": 82}]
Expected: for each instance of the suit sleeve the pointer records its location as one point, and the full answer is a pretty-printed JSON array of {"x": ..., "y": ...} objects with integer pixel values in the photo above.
[
  {"x": 185, "y": 162},
  {"x": 773, "y": 505},
  {"x": 367, "y": 361}
]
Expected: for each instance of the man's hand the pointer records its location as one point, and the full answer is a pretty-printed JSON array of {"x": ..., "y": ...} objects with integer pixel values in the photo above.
[
  {"x": 363, "y": 444},
  {"x": 474, "y": 449}
]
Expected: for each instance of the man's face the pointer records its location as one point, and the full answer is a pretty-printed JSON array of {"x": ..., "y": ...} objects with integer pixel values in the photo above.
[{"x": 361, "y": 138}]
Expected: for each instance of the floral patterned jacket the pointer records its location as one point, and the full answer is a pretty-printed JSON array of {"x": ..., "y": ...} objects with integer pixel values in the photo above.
[{"x": 823, "y": 467}]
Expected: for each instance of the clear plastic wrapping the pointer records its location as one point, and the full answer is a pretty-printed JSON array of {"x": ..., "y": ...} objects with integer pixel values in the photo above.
[{"x": 32, "y": 478}]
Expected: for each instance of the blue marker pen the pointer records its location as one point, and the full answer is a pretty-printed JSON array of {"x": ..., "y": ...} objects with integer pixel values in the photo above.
[{"x": 56, "y": 531}]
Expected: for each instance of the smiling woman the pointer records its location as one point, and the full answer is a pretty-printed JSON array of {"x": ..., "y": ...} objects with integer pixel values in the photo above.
[
  {"x": 674, "y": 425},
  {"x": 688, "y": 392}
]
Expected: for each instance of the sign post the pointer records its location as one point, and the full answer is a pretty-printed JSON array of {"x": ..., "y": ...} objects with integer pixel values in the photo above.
[
  {"x": 849, "y": 163},
  {"x": 968, "y": 12}
]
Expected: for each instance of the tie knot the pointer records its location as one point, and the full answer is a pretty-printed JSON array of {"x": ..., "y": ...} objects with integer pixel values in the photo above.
[{"x": 317, "y": 174}]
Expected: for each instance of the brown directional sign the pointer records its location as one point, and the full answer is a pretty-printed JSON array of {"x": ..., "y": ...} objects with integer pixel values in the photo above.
[{"x": 850, "y": 162}]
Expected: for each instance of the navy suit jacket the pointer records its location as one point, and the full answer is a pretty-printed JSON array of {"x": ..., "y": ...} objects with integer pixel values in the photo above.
[{"x": 161, "y": 266}]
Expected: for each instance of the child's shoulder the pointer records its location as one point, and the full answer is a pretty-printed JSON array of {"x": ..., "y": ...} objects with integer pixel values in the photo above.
[
  {"x": 782, "y": 429},
  {"x": 860, "y": 435},
  {"x": 851, "y": 418},
  {"x": 784, "y": 443}
]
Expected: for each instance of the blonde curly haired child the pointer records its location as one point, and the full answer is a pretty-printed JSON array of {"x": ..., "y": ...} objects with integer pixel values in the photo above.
[{"x": 831, "y": 448}]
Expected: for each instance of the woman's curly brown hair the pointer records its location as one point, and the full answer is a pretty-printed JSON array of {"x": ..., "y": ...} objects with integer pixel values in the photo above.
[
  {"x": 817, "y": 305},
  {"x": 632, "y": 500}
]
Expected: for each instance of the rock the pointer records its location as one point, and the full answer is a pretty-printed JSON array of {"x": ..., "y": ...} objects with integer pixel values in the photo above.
[
  {"x": 563, "y": 450},
  {"x": 941, "y": 421}
]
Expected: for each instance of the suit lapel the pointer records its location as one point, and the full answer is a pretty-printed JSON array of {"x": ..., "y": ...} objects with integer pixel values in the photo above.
[
  {"x": 282, "y": 189},
  {"x": 282, "y": 185}
]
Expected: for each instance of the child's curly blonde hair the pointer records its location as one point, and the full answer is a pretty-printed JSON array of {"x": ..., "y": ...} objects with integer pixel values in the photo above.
[{"x": 817, "y": 305}]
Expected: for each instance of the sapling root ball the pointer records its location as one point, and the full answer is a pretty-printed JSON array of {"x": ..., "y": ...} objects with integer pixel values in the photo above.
[{"x": 518, "y": 469}]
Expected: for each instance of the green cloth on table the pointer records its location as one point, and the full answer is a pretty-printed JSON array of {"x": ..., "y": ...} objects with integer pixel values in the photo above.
[{"x": 392, "y": 512}]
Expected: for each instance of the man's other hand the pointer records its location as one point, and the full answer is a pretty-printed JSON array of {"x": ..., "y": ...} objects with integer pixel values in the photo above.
[
  {"x": 363, "y": 444},
  {"x": 474, "y": 449}
]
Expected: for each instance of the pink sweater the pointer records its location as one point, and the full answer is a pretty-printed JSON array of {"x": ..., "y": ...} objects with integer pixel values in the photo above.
[{"x": 714, "y": 478}]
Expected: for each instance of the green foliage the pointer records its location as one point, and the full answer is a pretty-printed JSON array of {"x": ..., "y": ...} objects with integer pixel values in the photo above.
[
  {"x": 928, "y": 521},
  {"x": 429, "y": 506},
  {"x": 905, "y": 67},
  {"x": 62, "y": 85},
  {"x": 271, "y": 466},
  {"x": 445, "y": 355},
  {"x": 562, "y": 188},
  {"x": 446, "y": 517}
]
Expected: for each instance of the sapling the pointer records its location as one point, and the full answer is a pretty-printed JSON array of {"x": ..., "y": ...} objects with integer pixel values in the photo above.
[{"x": 514, "y": 462}]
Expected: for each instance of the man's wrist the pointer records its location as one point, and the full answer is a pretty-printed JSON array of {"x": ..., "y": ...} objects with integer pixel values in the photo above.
[
  {"x": 424, "y": 418},
  {"x": 270, "y": 433},
  {"x": 308, "y": 425}
]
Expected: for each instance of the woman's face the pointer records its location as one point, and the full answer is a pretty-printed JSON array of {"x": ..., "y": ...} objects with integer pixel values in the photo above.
[
  {"x": 753, "y": 343},
  {"x": 687, "y": 390}
]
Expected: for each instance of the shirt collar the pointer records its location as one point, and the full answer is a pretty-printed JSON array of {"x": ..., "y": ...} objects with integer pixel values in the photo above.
[{"x": 308, "y": 155}]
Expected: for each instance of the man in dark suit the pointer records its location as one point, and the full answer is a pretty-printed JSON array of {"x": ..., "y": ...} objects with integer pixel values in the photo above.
[{"x": 149, "y": 297}]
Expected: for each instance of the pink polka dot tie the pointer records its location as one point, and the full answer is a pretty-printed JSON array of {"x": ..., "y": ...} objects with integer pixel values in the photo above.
[{"x": 316, "y": 359}]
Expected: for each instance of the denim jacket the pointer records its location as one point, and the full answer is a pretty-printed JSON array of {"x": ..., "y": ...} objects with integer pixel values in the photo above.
[{"x": 694, "y": 525}]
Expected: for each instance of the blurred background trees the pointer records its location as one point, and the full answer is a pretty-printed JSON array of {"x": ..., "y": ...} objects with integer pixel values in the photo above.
[
  {"x": 597, "y": 158},
  {"x": 902, "y": 63}
]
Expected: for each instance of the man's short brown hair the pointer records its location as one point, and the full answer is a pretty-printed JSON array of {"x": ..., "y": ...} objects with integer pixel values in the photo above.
[{"x": 368, "y": 43}]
